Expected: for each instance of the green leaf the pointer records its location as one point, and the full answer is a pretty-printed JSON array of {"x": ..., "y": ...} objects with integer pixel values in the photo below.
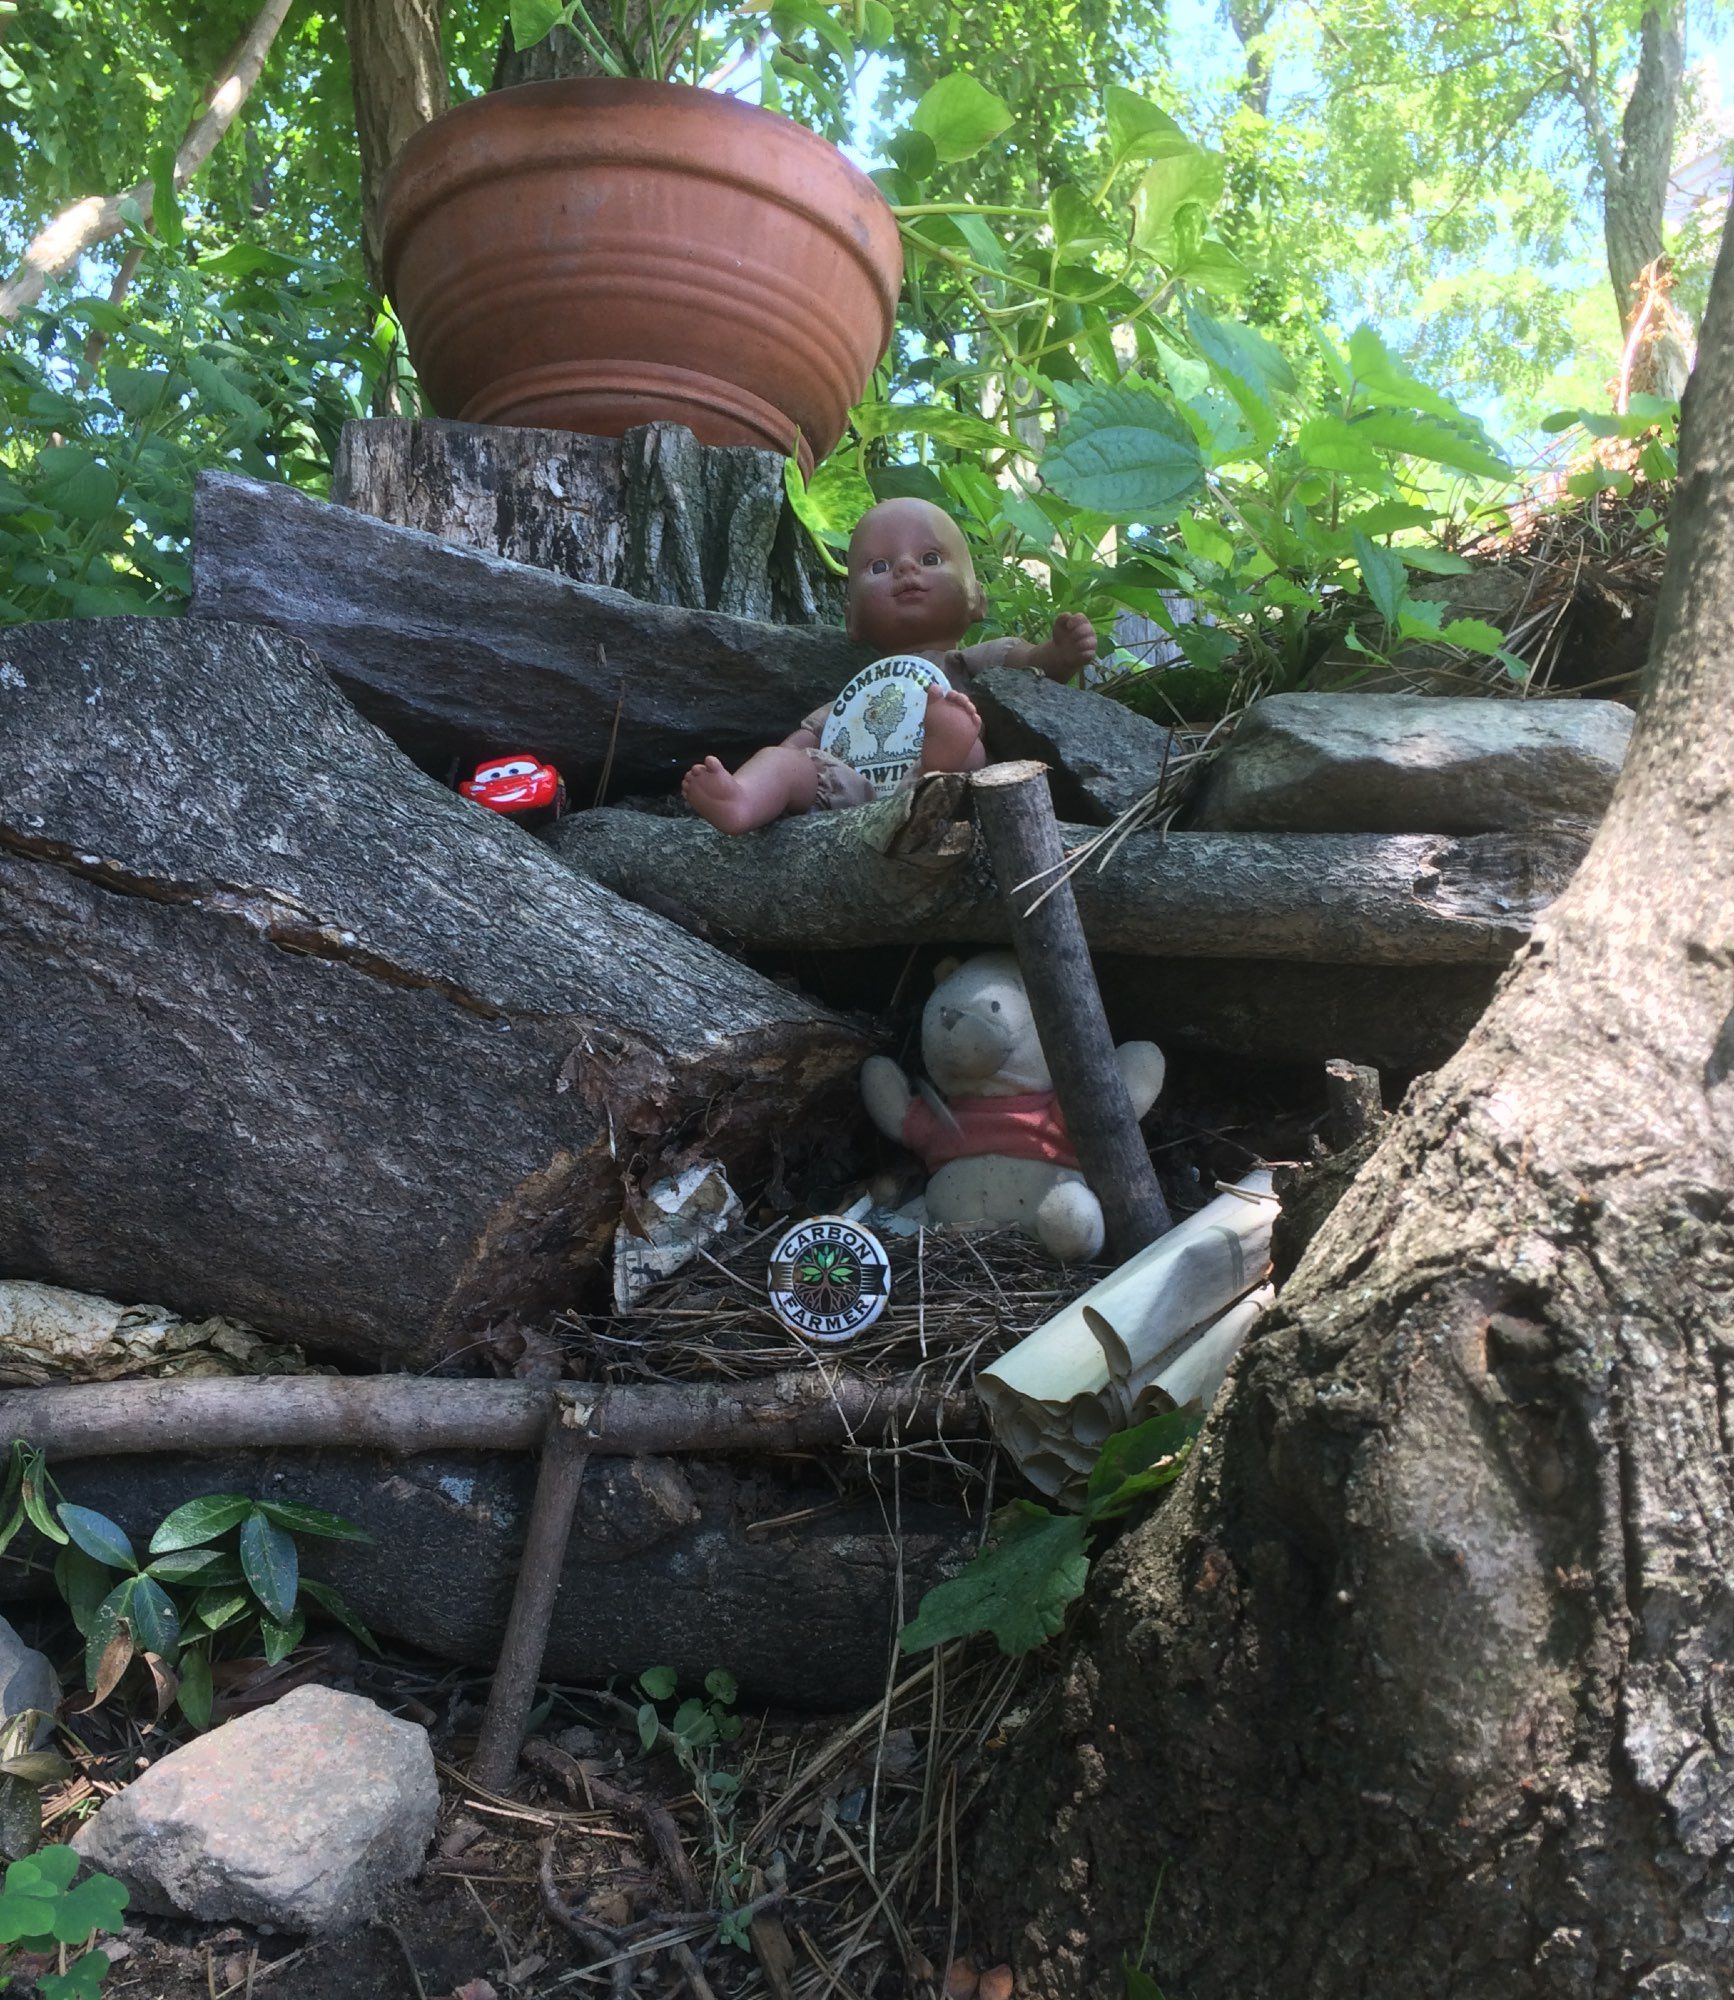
[
  {"x": 1381, "y": 378},
  {"x": 1139, "y": 130},
  {"x": 721, "y": 1685},
  {"x": 33, "y": 1494},
  {"x": 960, "y": 116},
  {"x": 97, "y": 1536},
  {"x": 196, "y": 1694},
  {"x": 137, "y": 392},
  {"x": 1138, "y": 1983},
  {"x": 216, "y": 1608},
  {"x": 165, "y": 202},
  {"x": 694, "y": 1724},
  {"x": 82, "y": 1979},
  {"x": 939, "y": 421},
  {"x": 281, "y": 1639},
  {"x": 1251, "y": 369},
  {"x": 1474, "y": 635},
  {"x": 333, "y": 1606},
  {"x": 217, "y": 388},
  {"x": 83, "y": 1583},
  {"x": 833, "y": 500},
  {"x": 1017, "y": 1588},
  {"x": 154, "y": 1617},
  {"x": 534, "y": 20},
  {"x": 1077, "y": 223},
  {"x": 182, "y": 1565},
  {"x": 658, "y": 1682},
  {"x": 1166, "y": 187},
  {"x": 312, "y": 1521},
  {"x": 1436, "y": 562},
  {"x": 53, "y": 1866},
  {"x": 270, "y": 1564},
  {"x": 1124, "y": 453},
  {"x": 1135, "y": 1462},
  {"x": 1354, "y": 444},
  {"x": 1386, "y": 580},
  {"x": 97, "y": 1904},
  {"x": 109, "y": 1623},
  {"x": 74, "y": 483},
  {"x": 200, "y": 1520},
  {"x": 649, "y": 1728}
]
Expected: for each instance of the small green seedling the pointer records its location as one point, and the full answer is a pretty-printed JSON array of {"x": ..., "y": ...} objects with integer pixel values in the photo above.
[{"x": 40, "y": 1911}]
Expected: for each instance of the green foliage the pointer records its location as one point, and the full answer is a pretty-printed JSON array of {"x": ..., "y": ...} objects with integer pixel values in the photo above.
[
  {"x": 1036, "y": 1562},
  {"x": 41, "y": 1911},
  {"x": 170, "y": 1605},
  {"x": 247, "y": 360}
]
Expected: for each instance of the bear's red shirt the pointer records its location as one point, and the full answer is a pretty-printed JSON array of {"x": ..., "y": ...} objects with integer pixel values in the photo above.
[{"x": 1018, "y": 1128}]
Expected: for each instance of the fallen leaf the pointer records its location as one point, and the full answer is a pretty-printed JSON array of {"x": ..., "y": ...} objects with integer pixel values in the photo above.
[
  {"x": 996, "y": 1984},
  {"x": 474, "y": 1989},
  {"x": 961, "y": 1980}
]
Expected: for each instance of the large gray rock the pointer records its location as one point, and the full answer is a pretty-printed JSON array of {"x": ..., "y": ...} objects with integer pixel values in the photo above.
[
  {"x": 27, "y": 1680},
  {"x": 1399, "y": 763},
  {"x": 298, "y": 1817},
  {"x": 1101, "y": 756}
]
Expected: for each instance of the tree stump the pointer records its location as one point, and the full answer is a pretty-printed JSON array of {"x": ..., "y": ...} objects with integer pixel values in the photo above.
[{"x": 655, "y": 513}]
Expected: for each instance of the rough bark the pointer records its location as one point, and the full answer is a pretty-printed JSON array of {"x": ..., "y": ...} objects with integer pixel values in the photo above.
[
  {"x": 666, "y": 1562},
  {"x": 297, "y": 1036},
  {"x": 1419, "y": 1683},
  {"x": 397, "y": 71},
  {"x": 1023, "y": 841},
  {"x": 899, "y": 872},
  {"x": 1634, "y": 177},
  {"x": 655, "y": 513},
  {"x": 57, "y": 247},
  {"x": 456, "y": 654}
]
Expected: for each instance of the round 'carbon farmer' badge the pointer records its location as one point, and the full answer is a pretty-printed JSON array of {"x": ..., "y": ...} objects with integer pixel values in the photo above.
[
  {"x": 877, "y": 723},
  {"x": 829, "y": 1279}
]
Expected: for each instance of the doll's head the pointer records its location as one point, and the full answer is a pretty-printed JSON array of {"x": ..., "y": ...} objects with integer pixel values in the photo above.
[{"x": 912, "y": 586}]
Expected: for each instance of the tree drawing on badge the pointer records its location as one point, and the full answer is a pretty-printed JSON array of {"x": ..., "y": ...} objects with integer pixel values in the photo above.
[
  {"x": 884, "y": 711},
  {"x": 827, "y": 1278}
]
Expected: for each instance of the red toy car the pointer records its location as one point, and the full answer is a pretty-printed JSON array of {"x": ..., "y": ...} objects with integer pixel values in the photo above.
[{"x": 517, "y": 785}]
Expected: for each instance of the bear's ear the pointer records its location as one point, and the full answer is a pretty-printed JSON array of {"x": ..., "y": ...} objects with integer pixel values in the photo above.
[{"x": 945, "y": 968}]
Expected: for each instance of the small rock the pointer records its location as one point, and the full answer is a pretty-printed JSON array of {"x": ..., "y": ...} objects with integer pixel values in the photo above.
[
  {"x": 27, "y": 1680},
  {"x": 1402, "y": 763},
  {"x": 298, "y": 1817},
  {"x": 1101, "y": 756}
]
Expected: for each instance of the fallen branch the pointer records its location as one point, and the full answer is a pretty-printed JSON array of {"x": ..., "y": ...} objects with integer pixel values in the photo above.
[
  {"x": 893, "y": 873},
  {"x": 58, "y": 246},
  {"x": 406, "y": 1414}
]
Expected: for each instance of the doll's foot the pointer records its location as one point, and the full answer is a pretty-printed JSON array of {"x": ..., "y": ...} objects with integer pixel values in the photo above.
[
  {"x": 950, "y": 731},
  {"x": 1073, "y": 641},
  {"x": 716, "y": 795}
]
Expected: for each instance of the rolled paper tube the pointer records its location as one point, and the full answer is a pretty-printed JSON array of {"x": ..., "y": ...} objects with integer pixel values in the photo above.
[{"x": 1162, "y": 1318}]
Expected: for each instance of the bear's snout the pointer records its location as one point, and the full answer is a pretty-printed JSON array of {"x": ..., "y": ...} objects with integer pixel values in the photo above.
[{"x": 971, "y": 1045}]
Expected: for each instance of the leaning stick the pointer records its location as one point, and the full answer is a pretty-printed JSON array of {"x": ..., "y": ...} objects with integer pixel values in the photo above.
[
  {"x": 1017, "y": 822},
  {"x": 513, "y": 1687},
  {"x": 405, "y": 1414}
]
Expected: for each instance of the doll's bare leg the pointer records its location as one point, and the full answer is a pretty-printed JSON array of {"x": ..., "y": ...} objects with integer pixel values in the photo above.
[
  {"x": 951, "y": 732},
  {"x": 770, "y": 783}
]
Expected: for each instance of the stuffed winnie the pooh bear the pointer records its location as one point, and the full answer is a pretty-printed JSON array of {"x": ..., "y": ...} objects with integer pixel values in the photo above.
[{"x": 996, "y": 1147}]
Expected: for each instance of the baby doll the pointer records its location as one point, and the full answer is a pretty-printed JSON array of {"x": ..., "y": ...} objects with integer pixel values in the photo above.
[{"x": 912, "y": 589}]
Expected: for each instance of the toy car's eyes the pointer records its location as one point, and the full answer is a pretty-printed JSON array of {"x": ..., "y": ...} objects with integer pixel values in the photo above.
[{"x": 516, "y": 767}]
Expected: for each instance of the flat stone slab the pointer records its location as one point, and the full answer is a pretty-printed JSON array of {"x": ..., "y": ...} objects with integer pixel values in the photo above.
[
  {"x": 1400, "y": 763},
  {"x": 1102, "y": 757},
  {"x": 298, "y": 1817}
]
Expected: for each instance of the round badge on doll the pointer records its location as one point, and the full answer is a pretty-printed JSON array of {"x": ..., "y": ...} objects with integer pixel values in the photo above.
[
  {"x": 877, "y": 723},
  {"x": 829, "y": 1279}
]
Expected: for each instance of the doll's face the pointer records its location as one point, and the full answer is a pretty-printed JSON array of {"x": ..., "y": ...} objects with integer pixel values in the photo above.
[{"x": 911, "y": 582}]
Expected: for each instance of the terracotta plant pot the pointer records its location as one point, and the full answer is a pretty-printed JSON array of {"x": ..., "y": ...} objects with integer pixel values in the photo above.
[{"x": 594, "y": 254}]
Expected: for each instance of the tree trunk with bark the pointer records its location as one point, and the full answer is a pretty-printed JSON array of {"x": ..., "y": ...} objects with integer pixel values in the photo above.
[
  {"x": 398, "y": 81},
  {"x": 1634, "y": 176},
  {"x": 1419, "y": 1682}
]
